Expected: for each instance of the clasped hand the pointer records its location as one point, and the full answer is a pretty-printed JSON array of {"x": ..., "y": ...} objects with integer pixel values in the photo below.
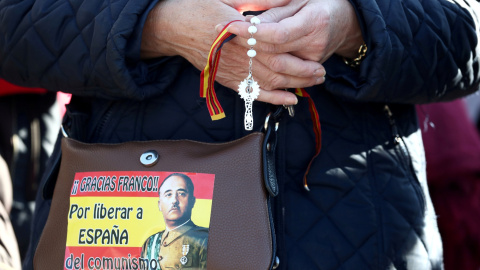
[{"x": 294, "y": 38}]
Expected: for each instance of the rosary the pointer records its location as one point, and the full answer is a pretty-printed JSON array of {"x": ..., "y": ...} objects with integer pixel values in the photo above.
[{"x": 249, "y": 89}]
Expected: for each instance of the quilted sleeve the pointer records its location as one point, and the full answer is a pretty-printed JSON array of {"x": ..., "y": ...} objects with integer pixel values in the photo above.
[
  {"x": 88, "y": 48},
  {"x": 418, "y": 52}
]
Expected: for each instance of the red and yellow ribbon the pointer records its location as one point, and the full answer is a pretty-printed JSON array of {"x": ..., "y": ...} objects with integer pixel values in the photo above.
[
  {"x": 316, "y": 130},
  {"x": 207, "y": 77}
]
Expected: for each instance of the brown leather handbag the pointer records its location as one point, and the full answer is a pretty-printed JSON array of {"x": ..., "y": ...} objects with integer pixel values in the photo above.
[{"x": 241, "y": 232}]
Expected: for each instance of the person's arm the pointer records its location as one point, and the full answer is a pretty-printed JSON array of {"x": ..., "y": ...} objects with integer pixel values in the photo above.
[
  {"x": 117, "y": 49},
  {"x": 418, "y": 51},
  {"x": 82, "y": 47}
]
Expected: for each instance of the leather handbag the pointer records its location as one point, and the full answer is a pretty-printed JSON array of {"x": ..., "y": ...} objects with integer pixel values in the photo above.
[{"x": 240, "y": 234}]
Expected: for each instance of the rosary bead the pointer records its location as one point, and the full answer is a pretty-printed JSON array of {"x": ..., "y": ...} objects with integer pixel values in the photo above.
[
  {"x": 255, "y": 20},
  {"x": 251, "y": 41},
  {"x": 251, "y": 53},
  {"x": 252, "y": 29}
]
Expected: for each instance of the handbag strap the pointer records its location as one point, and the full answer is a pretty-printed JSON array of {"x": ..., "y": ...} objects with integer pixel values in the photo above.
[{"x": 272, "y": 122}]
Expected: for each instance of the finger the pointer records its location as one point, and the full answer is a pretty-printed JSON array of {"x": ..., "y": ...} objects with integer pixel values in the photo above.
[
  {"x": 237, "y": 67},
  {"x": 291, "y": 65},
  {"x": 267, "y": 79},
  {"x": 270, "y": 80},
  {"x": 264, "y": 43},
  {"x": 277, "y": 97},
  {"x": 234, "y": 68},
  {"x": 287, "y": 30},
  {"x": 285, "y": 63}
]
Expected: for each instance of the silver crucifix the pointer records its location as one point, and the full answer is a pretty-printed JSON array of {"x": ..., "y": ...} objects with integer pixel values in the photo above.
[{"x": 248, "y": 90}]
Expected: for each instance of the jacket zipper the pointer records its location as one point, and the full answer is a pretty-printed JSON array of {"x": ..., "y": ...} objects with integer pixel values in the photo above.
[{"x": 404, "y": 153}]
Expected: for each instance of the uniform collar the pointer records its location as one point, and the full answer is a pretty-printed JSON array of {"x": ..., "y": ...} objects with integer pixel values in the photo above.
[
  {"x": 172, "y": 235},
  {"x": 179, "y": 226}
]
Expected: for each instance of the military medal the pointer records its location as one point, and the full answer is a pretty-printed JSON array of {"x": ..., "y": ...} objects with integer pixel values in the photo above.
[
  {"x": 185, "y": 249},
  {"x": 249, "y": 89}
]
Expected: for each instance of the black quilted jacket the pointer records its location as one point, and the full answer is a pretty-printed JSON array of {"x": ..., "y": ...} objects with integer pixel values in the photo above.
[{"x": 368, "y": 207}]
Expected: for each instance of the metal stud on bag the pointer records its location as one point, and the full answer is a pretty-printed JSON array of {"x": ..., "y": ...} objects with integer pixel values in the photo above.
[
  {"x": 276, "y": 263},
  {"x": 149, "y": 158}
]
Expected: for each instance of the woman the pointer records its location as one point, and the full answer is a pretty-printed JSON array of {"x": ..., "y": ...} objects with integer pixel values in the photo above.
[{"x": 134, "y": 66}]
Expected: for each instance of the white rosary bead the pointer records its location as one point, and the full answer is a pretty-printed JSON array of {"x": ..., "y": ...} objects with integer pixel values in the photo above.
[
  {"x": 251, "y": 41},
  {"x": 251, "y": 53},
  {"x": 252, "y": 29},
  {"x": 255, "y": 20}
]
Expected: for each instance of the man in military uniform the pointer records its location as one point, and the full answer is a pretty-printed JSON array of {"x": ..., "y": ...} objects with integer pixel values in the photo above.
[{"x": 182, "y": 245}]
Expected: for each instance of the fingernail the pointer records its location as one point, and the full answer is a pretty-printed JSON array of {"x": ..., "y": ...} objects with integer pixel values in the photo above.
[
  {"x": 320, "y": 80},
  {"x": 291, "y": 100},
  {"x": 320, "y": 72}
]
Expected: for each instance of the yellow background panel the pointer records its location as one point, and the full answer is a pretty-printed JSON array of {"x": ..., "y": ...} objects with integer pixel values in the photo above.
[{"x": 138, "y": 229}]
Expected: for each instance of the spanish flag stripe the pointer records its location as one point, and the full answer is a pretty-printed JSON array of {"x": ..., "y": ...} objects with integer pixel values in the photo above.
[
  {"x": 299, "y": 92},
  {"x": 203, "y": 80},
  {"x": 316, "y": 129},
  {"x": 212, "y": 102},
  {"x": 316, "y": 122},
  {"x": 315, "y": 118},
  {"x": 206, "y": 71},
  {"x": 214, "y": 107},
  {"x": 207, "y": 77}
]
